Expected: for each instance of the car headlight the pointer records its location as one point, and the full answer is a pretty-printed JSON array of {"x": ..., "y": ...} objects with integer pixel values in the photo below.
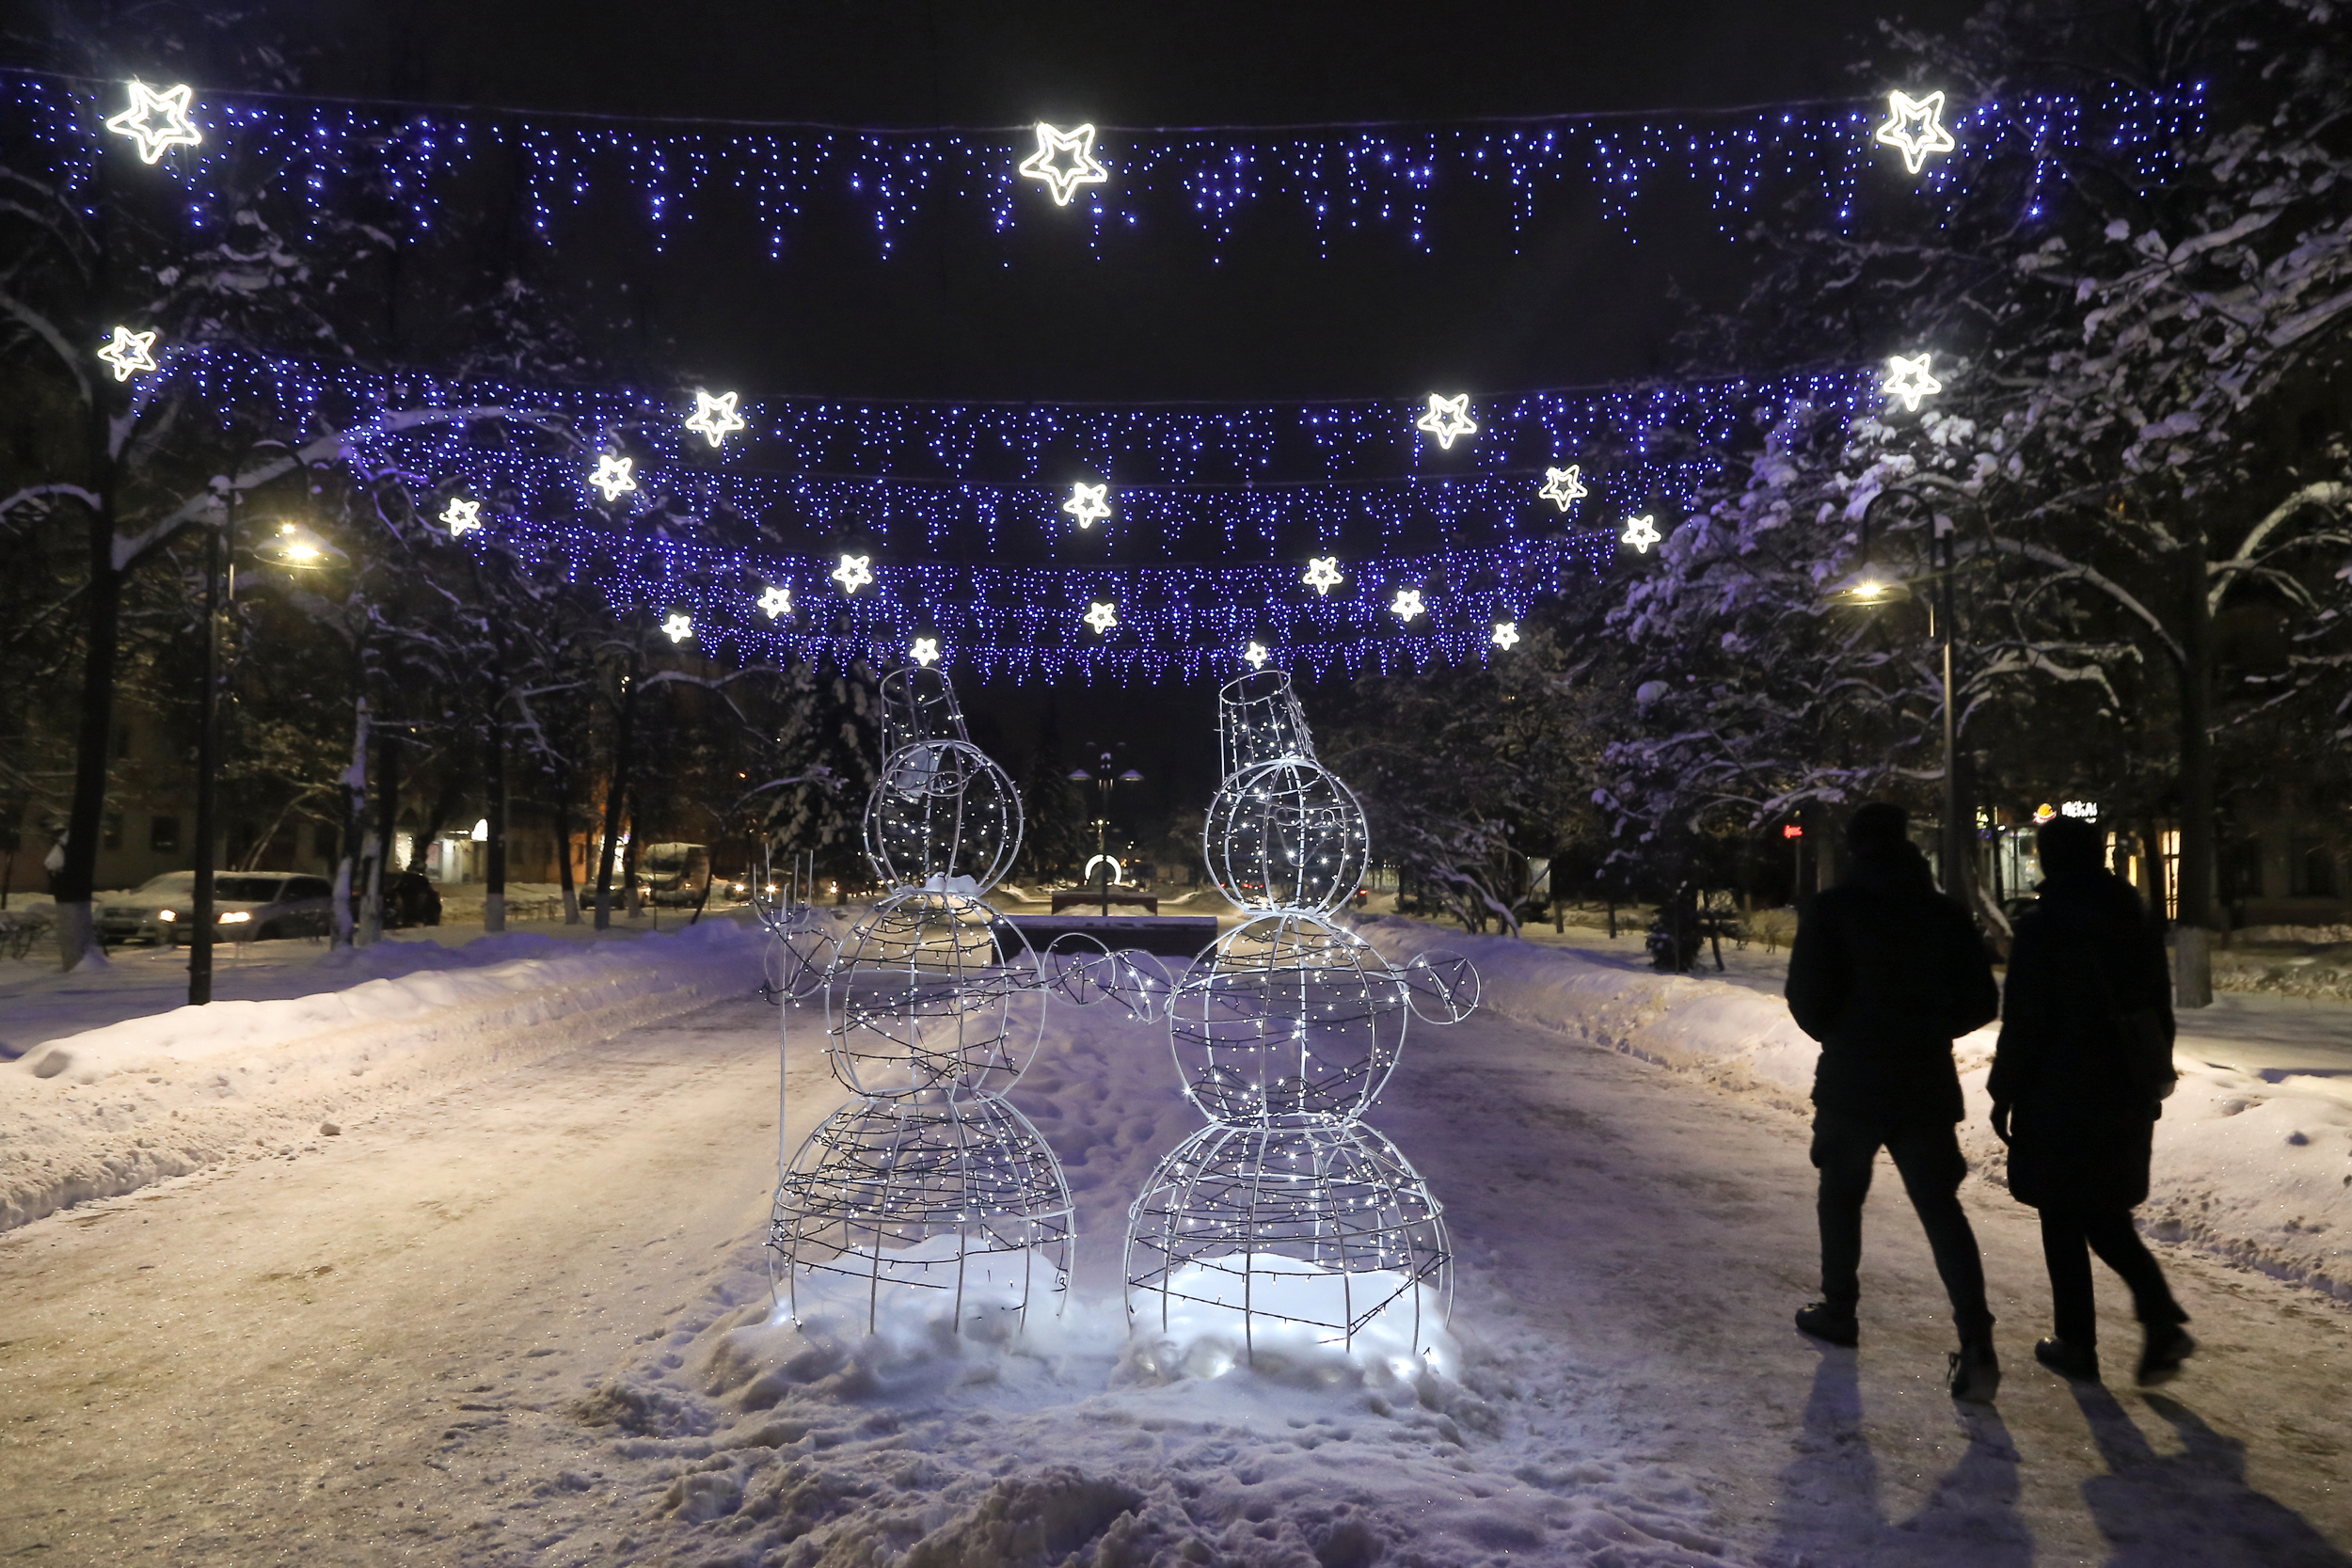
[
  {"x": 166, "y": 914},
  {"x": 236, "y": 917}
]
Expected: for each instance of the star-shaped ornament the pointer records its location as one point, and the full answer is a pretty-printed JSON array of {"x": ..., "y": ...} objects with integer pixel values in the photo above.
[
  {"x": 679, "y": 626},
  {"x": 461, "y": 516},
  {"x": 614, "y": 476},
  {"x": 1102, "y": 617},
  {"x": 1447, "y": 418},
  {"x": 1256, "y": 656},
  {"x": 1563, "y": 487},
  {"x": 1086, "y": 503},
  {"x": 1061, "y": 178},
  {"x": 1323, "y": 574},
  {"x": 1507, "y": 634},
  {"x": 1408, "y": 604},
  {"x": 925, "y": 652},
  {"x": 1640, "y": 533},
  {"x": 776, "y": 601},
  {"x": 128, "y": 354},
  {"x": 137, "y": 122},
  {"x": 1909, "y": 380},
  {"x": 714, "y": 418},
  {"x": 1903, "y": 112},
  {"x": 854, "y": 573}
]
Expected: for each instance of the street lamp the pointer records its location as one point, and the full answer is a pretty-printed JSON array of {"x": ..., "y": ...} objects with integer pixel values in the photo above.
[
  {"x": 1870, "y": 587},
  {"x": 292, "y": 545},
  {"x": 1103, "y": 782}
]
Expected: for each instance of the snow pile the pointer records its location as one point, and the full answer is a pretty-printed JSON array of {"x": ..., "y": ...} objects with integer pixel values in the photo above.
[
  {"x": 2326, "y": 973},
  {"x": 113, "y": 1108},
  {"x": 2255, "y": 1168},
  {"x": 751, "y": 1438}
]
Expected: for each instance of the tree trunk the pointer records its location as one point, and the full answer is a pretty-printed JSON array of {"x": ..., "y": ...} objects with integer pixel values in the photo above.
[
  {"x": 615, "y": 787},
  {"x": 563, "y": 855},
  {"x": 354, "y": 797},
  {"x": 2197, "y": 785},
  {"x": 493, "y": 812},
  {"x": 387, "y": 817},
  {"x": 77, "y": 880}
]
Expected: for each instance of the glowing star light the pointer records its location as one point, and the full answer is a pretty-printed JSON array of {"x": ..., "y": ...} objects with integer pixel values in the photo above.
[
  {"x": 1102, "y": 618},
  {"x": 1563, "y": 487},
  {"x": 1640, "y": 533},
  {"x": 1063, "y": 179},
  {"x": 1256, "y": 656},
  {"x": 1903, "y": 112},
  {"x": 776, "y": 601},
  {"x": 714, "y": 417},
  {"x": 853, "y": 574},
  {"x": 1507, "y": 634},
  {"x": 1909, "y": 380},
  {"x": 614, "y": 476},
  {"x": 1447, "y": 418},
  {"x": 128, "y": 354},
  {"x": 461, "y": 516},
  {"x": 679, "y": 626},
  {"x": 925, "y": 652},
  {"x": 1408, "y": 604},
  {"x": 1087, "y": 504},
  {"x": 1323, "y": 574},
  {"x": 138, "y": 123}
]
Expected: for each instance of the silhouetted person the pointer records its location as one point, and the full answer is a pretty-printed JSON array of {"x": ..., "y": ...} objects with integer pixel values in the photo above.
[
  {"x": 2084, "y": 1064},
  {"x": 1885, "y": 973}
]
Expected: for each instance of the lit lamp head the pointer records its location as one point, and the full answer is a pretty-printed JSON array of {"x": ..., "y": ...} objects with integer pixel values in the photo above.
[
  {"x": 1869, "y": 588},
  {"x": 300, "y": 546}
]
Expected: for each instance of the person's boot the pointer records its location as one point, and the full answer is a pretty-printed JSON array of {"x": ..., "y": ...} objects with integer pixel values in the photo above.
[
  {"x": 2075, "y": 1363},
  {"x": 2169, "y": 1345},
  {"x": 1974, "y": 1373},
  {"x": 1830, "y": 1323}
]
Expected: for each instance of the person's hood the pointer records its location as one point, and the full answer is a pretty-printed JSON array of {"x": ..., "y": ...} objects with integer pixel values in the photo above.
[
  {"x": 2098, "y": 895},
  {"x": 1889, "y": 868}
]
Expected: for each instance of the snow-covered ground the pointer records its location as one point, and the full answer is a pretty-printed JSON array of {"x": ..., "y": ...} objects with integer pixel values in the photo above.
[{"x": 527, "y": 1321}]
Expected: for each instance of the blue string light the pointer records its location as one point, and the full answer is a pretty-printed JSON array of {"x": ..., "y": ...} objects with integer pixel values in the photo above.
[{"x": 1335, "y": 179}]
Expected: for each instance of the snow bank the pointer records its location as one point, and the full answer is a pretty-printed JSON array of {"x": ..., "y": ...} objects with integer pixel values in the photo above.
[
  {"x": 2257, "y": 1168},
  {"x": 111, "y": 1109}
]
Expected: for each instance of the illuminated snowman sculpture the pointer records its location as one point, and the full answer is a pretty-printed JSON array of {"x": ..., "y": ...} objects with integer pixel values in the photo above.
[
  {"x": 1288, "y": 1222},
  {"x": 927, "y": 1196}
]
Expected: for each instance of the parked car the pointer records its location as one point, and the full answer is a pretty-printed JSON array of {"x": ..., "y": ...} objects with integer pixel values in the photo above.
[
  {"x": 248, "y": 906},
  {"x": 409, "y": 899}
]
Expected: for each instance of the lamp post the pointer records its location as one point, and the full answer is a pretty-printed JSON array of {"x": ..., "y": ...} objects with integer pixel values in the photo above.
[
  {"x": 295, "y": 546},
  {"x": 1869, "y": 588},
  {"x": 1105, "y": 783}
]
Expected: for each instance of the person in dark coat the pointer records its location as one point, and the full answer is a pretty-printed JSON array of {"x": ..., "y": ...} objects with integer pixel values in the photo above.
[
  {"x": 2084, "y": 1064},
  {"x": 1885, "y": 973}
]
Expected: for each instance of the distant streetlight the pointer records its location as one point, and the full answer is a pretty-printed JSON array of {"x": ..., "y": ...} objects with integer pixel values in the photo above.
[{"x": 1104, "y": 782}]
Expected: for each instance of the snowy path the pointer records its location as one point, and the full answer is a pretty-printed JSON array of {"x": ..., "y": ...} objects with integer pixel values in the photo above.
[{"x": 513, "y": 1324}]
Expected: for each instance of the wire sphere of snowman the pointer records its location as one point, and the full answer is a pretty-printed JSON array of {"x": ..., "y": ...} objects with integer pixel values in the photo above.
[
  {"x": 1286, "y": 835},
  {"x": 1328, "y": 1230},
  {"x": 954, "y": 1206},
  {"x": 1291, "y": 1022},
  {"x": 931, "y": 994},
  {"x": 943, "y": 816}
]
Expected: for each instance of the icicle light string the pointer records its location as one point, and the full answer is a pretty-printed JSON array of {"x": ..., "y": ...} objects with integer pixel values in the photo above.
[{"x": 1384, "y": 178}]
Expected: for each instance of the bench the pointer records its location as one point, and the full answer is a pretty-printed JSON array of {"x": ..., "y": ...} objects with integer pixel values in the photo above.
[{"x": 1078, "y": 898}]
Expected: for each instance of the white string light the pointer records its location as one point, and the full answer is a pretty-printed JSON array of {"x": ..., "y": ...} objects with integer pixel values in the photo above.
[
  {"x": 1909, "y": 380},
  {"x": 1507, "y": 634},
  {"x": 854, "y": 573},
  {"x": 1102, "y": 617},
  {"x": 614, "y": 476},
  {"x": 1063, "y": 179},
  {"x": 776, "y": 601},
  {"x": 461, "y": 516},
  {"x": 137, "y": 122},
  {"x": 1256, "y": 656},
  {"x": 128, "y": 353},
  {"x": 925, "y": 652},
  {"x": 714, "y": 418},
  {"x": 1563, "y": 487},
  {"x": 1323, "y": 574},
  {"x": 1086, "y": 503},
  {"x": 1640, "y": 533},
  {"x": 1408, "y": 604},
  {"x": 1903, "y": 112},
  {"x": 1447, "y": 418}
]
